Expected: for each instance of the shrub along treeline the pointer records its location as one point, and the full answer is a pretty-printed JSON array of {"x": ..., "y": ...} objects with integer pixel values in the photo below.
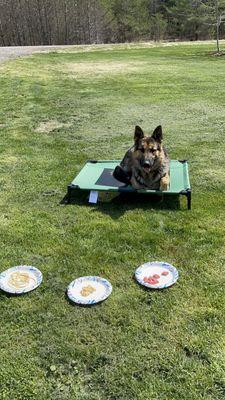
[{"x": 34, "y": 22}]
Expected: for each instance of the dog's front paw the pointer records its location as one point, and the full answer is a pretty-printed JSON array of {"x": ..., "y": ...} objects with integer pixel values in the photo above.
[{"x": 164, "y": 183}]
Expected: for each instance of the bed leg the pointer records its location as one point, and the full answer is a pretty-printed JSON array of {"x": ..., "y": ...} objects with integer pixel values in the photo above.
[
  {"x": 187, "y": 193},
  {"x": 189, "y": 199},
  {"x": 70, "y": 189},
  {"x": 69, "y": 193}
]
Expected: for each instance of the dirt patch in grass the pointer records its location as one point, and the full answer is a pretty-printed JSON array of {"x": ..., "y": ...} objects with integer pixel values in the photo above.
[
  {"x": 51, "y": 126},
  {"x": 218, "y": 54},
  {"x": 101, "y": 68},
  {"x": 9, "y": 159}
]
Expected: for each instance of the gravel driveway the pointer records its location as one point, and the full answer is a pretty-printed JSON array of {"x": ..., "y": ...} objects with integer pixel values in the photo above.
[{"x": 8, "y": 53}]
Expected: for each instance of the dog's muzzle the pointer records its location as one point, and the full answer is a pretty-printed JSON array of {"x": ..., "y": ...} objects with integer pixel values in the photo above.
[{"x": 146, "y": 164}]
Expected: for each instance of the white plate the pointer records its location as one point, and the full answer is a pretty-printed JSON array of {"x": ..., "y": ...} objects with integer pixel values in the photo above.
[
  {"x": 156, "y": 275},
  {"x": 20, "y": 279},
  {"x": 89, "y": 290}
]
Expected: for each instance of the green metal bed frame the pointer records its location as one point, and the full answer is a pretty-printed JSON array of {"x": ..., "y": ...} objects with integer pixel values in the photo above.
[{"x": 89, "y": 179}]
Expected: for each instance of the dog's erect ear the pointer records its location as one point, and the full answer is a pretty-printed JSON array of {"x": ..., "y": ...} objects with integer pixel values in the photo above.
[
  {"x": 138, "y": 133},
  {"x": 157, "y": 134}
]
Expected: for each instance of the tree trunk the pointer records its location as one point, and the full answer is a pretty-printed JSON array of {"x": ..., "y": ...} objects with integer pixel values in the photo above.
[{"x": 217, "y": 26}]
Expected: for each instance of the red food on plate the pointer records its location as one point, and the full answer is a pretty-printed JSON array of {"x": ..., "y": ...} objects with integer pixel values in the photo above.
[
  {"x": 165, "y": 273},
  {"x": 156, "y": 276},
  {"x": 153, "y": 281}
]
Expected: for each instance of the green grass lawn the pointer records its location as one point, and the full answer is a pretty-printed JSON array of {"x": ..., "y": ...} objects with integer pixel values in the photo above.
[{"x": 56, "y": 111}]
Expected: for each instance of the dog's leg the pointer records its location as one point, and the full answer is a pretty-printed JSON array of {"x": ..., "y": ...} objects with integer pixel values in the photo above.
[
  {"x": 164, "y": 182},
  {"x": 121, "y": 175}
]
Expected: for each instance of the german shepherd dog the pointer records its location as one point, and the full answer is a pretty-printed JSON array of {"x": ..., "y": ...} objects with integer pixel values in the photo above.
[{"x": 146, "y": 164}]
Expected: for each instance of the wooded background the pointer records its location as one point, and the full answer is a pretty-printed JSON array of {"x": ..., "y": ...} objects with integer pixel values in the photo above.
[{"x": 35, "y": 22}]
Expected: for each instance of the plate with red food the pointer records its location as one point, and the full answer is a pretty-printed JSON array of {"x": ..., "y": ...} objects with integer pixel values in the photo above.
[{"x": 156, "y": 275}]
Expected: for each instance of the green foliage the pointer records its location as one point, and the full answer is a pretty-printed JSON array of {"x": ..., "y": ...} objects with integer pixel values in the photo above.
[
  {"x": 195, "y": 19},
  {"x": 131, "y": 18},
  {"x": 157, "y": 20},
  {"x": 158, "y": 27}
]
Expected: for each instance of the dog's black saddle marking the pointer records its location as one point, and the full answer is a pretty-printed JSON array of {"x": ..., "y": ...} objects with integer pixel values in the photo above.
[{"x": 107, "y": 179}]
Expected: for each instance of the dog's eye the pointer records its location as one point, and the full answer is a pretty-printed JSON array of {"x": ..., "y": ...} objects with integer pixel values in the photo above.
[
  {"x": 153, "y": 150},
  {"x": 142, "y": 149}
]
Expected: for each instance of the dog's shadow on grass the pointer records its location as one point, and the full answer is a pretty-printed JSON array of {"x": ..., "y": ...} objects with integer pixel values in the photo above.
[{"x": 125, "y": 202}]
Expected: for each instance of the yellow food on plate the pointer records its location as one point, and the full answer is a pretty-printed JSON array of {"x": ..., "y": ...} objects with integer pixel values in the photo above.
[
  {"x": 87, "y": 290},
  {"x": 19, "y": 279}
]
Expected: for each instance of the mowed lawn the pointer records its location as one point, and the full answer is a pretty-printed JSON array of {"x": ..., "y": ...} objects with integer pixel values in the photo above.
[{"x": 58, "y": 110}]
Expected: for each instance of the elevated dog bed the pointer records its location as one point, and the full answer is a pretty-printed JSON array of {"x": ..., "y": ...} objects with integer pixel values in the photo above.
[{"x": 97, "y": 176}]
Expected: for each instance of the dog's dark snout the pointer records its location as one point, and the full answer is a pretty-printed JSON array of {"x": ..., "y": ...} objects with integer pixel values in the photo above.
[{"x": 146, "y": 164}]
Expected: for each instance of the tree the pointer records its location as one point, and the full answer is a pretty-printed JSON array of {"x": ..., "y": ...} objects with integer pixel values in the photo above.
[
  {"x": 33, "y": 22},
  {"x": 220, "y": 18}
]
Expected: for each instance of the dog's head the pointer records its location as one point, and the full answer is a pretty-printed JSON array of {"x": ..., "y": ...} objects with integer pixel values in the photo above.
[{"x": 147, "y": 157}]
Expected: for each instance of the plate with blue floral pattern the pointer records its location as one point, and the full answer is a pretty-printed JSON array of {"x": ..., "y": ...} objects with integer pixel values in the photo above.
[
  {"x": 20, "y": 279},
  {"x": 89, "y": 290},
  {"x": 156, "y": 275}
]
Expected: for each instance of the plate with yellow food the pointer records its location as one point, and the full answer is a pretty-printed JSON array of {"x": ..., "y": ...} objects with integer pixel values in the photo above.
[
  {"x": 20, "y": 279},
  {"x": 89, "y": 290}
]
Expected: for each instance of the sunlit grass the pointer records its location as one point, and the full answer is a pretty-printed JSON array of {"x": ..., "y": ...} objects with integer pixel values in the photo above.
[{"x": 56, "y": 111}]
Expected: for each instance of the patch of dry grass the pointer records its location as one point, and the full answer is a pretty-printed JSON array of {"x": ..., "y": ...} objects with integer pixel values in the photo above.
[
  {"x": 51, "y": 126},
  {"x": 101, "y": 68}
]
